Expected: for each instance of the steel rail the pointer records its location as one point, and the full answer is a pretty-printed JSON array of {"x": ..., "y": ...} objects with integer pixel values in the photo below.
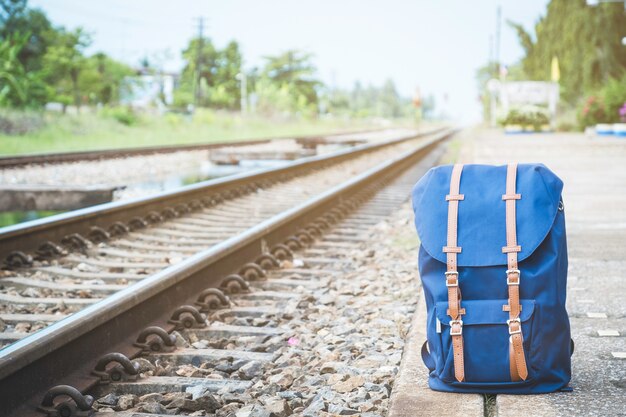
[
  {"x": 100, "y": 154},
  {"x": 27, "y": 237},
  {"x": 66, "y": 351}
]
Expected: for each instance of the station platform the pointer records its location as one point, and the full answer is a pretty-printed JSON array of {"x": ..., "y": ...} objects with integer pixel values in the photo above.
[{"x": 594, "y": 173}]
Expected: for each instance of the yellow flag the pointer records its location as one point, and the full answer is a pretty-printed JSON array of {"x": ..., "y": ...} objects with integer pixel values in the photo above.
[{"x": 555, "y": 71}]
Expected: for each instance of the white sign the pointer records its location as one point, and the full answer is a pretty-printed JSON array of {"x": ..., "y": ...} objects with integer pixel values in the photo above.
[{"x": 519, "y": 93}]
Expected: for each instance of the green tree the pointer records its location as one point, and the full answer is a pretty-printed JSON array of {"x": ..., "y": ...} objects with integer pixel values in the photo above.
[
  {"x": 337, "y": 102},
  {"x": 201, "y": 57},
  {"x": 296, "y": 70},
  {"x": 64, "y": 61},
  {"x": 389, "y": 101},
  {"x": 586, "y": 40},
  {"x": 16, "y": 17},
  {"x": 209, "y": 76},
  {"x": 226, "y": 91},
  {"x": 18, "y": 87},
  {"x": 287, "y": 84},
  {"x": 372, "y": 101},
  {"x": 101, "y": 79},
  {"x": 39, "y": 62}
]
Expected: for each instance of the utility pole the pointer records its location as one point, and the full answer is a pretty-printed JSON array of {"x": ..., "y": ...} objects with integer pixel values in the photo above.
[
  {"x": 492, "y": 57},
  {"x": 243, "y": 80},
  {"x": 197, "y": 91}
]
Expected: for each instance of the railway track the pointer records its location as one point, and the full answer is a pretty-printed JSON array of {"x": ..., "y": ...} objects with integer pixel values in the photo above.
[
  {"x": 102, "y": 154},
  {"x": 42, "y": 235},
  {"x": 37, "y": 292},
  {"x": 177, "y": 256}
]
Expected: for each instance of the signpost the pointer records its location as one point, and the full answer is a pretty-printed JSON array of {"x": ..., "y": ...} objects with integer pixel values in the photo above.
[{"x": 519, "y": 93}]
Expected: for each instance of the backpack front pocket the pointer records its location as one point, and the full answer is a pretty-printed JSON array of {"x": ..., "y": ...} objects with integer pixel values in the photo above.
[{"x": 485, "y": 339}]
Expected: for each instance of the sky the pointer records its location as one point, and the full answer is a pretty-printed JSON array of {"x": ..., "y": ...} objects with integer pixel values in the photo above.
[{"x": 435, "y": 45}]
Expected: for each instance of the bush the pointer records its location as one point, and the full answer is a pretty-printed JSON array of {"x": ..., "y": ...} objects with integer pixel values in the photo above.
[
  {"x": 203, "y": 116},
  {"x": 592, "y": 112},
  {"x": 173, "y": 119},
  {"x": 566, "y": 126},
  {"x": 614, "y": 96},
  {"x": 20, "y": 123},
  {"x": 604, "y": 106},
  {"x": 182, "y": 99},
  {"x": 123, "y": 115},
  {"x": 527, "y": 116},
  {"x": 514, "y": 117}
]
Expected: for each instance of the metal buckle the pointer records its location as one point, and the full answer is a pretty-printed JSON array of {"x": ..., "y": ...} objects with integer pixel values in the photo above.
[
  {"x": 460, "y": 323},
  {"x": 517, "y": 320},
  {"x": 508, "y": 278},
  {"x": 456, "y": 282}
]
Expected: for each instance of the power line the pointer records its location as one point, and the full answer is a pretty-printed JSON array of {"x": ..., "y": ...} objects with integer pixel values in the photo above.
[{"x": 77, "y": 9}]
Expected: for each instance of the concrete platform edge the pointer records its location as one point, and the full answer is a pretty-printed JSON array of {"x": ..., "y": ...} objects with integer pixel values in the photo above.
[{"x": 411, "y": 396}]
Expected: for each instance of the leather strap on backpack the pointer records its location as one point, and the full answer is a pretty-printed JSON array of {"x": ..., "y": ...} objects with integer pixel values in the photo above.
[
  {"x": 517, "y": 360},
  {"x": 452, "y": 275}
]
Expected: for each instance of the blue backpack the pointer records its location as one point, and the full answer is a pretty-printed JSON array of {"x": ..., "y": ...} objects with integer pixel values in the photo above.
[{"x": 496, "y": 236}]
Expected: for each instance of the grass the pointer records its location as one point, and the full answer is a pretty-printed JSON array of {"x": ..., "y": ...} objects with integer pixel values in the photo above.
[
  {"x": 89, "y": 131},
  {"x": 490, "y": 407}
]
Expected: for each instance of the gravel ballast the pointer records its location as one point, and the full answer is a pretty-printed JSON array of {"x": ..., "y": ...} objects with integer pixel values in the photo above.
[{"x": 339, "y": 353}]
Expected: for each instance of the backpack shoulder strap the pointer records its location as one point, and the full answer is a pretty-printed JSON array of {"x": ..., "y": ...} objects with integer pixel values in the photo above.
[
  {"x": 452, "y": 275},
  {"x": 517, "y": 360}
]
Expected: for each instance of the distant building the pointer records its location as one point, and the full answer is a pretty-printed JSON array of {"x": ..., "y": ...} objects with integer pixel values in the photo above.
[{"x": 149, "y": 90}]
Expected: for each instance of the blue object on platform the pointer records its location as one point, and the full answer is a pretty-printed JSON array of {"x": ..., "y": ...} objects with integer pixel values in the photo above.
[{"x": 483, "y": 281}]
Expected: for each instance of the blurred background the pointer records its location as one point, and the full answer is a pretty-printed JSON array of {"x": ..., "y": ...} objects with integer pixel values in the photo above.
[{"x": 85, "y": 74}]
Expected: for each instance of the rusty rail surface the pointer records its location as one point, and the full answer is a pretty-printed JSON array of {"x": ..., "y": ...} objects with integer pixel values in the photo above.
[{"x": 65, "y": 352}]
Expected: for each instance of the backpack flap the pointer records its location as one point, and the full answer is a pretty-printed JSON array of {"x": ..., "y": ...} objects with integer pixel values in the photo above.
[{"x": 481, "y": 218}]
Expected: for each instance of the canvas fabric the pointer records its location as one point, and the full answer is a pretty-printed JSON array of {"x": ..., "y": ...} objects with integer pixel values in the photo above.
[{"x": 482, "y": 279}]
